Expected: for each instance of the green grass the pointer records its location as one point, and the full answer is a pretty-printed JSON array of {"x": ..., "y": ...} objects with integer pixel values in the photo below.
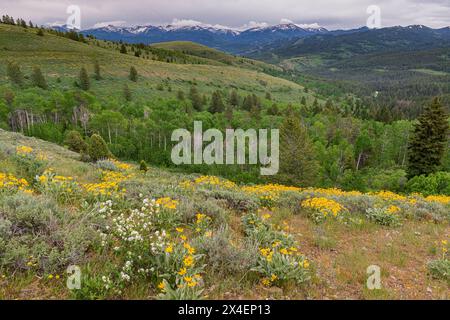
[
  {"x": 198, "y": 50},
  {"x": 61, "y": 58}
]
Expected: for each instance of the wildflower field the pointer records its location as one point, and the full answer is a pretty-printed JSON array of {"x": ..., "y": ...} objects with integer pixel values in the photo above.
[{"x": 162, "y": 235}]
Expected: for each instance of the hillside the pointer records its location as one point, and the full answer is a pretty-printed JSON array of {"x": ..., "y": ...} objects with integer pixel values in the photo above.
[
  {"x": 161, "y": 235},
  {"x": 400, "y": 63},
  {"x": 62, "y": 59},
  {"x": 198, "y": 50}
]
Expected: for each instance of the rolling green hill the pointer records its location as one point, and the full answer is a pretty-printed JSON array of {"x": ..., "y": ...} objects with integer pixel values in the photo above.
[
  {"x": 198, "y": 50},
  {"x": 61, "y": 59}
]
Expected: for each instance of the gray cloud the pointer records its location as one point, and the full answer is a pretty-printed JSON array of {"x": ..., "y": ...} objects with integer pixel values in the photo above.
[{"x": 234, "y": 13}]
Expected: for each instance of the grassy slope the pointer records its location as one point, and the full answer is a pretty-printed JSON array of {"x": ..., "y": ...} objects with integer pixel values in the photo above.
[
  {"x": 340, "y": 253},
  {"x": 62, "y": 58},
  {"x": 198, "y": 50}
]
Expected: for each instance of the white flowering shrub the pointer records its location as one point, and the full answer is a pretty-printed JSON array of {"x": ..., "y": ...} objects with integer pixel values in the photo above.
[{"x": 146, "y": 252}]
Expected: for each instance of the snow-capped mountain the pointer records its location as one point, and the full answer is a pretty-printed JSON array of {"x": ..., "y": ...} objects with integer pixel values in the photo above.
[{"x": 215, "y": 36}]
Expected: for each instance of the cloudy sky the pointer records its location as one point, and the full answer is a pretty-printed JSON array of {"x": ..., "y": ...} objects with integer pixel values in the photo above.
[{"x": 332, "y": 14}]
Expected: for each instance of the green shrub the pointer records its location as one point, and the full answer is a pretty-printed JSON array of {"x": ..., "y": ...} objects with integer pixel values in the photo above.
[
  {"x": 224, "y": 257},
  {"x": 383, "y": 217},
  {"x": 37, "y": 235},
  {"x": 75, "y": 142},
  {"x": 29, "y": 166},
  {"x": 143, "y": 166},
  {"x": 440, "y": 269},
  {"x": 98, "y": 149},
  {"x": 434, "y": 184}
]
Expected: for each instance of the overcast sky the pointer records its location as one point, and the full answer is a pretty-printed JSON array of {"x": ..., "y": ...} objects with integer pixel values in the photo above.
[{"x": 332, "y": 14}]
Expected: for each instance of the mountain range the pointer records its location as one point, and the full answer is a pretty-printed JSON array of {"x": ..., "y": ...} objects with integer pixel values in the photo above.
[
  {"x": 222, "y": 38},
  {"x": 285, "y": 39}
]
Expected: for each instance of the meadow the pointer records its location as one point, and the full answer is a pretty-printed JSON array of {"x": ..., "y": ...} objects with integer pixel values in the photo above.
[{"x": 157, "y": 234}]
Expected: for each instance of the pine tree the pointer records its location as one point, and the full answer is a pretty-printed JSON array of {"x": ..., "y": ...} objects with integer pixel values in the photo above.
[
  {"x": 303, "y": 101},
  {"x": 180, "y": 95},
  {"x": 97, "y": 71},
  {"x": 429, "y": 141},
  {"x": 126, "y": 93},
  {"x": 229, "y": 113},
  {"x": 316, "y": 107},
  {"x": 123, "y": 49},
  {"x": 217, "y": 105},
  {"x": 195, "y": 98},
  {"x": 75, "y": 142},
  {"x": 84, "y": 80},
  {"x": 298, "y": 164},
  {"x": 133, "y": 74},
  {"x": 98, "y": 148},
  {"x": 234, "y": 98},
  {"x": 273, "y": 110},
  {"x": 143, "y": 166},
  {"x": 14, "y": 73},
  {"x": 40, "y": 32},
  {"x": 248, "y": 103},
  {"x": 38, "y": 79}
]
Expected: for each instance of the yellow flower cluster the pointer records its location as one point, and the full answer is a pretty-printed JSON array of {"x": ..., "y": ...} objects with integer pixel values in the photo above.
[
  {"x": 445, "y": 200},
  {"x": 120, "y": 165},
  {"x": 208, "y": 181},
  {"x": 269, "y": 189},
  {"x": 10, "y": 182},
  {"x": 23, "y": 150},
  {"x": 393, "y": 210},
  {"x": 333, "y": 192},
  {"x": 390, "y": 196},
  {"x": 109, "y": 186},
  {"x": 324, "y": 206},
  {"x": 444, "y": 249},
  {"x": 167, "y": 203},
  {"x": 187, "y": 274}
]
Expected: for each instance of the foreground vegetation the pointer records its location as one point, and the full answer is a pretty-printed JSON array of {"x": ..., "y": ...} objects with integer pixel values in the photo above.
[{"x": 155, "y": 234}]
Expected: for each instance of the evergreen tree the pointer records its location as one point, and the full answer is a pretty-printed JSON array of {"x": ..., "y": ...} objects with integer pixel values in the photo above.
[
  {"x": 126, "y": 93},
  {"x": 133, "y": 74},
  {"x": 229, "y": 113},
  {"x": 75, "y": 142},
  {"x": 40, "y": 32},
  {"x": 429, "y": 142},
  {"x": 84, "y": 80},
  {"x": 303, "y": 101},
  {"x": 123, "y": 49},
  {"x": 217, "y": 105},
  {"x": 316, "y": 107},
  {"x": 268, "y": 96},
  {"x": 143, "y": 166},
  {"x": 98, "y": 148},
  {"x": 298, "y": 164},
  {"x": 97, "y": 72},
  {"x": 38, "y": 79},
  {"x": 234, "y": 98},
  {"x": 14, "y": 73},
  {"x": 248, "y": 103},
  {"x": 180, "y": 95},
  {"x": 195, "y": 98},
  {"x": 273, "y": 110}
]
